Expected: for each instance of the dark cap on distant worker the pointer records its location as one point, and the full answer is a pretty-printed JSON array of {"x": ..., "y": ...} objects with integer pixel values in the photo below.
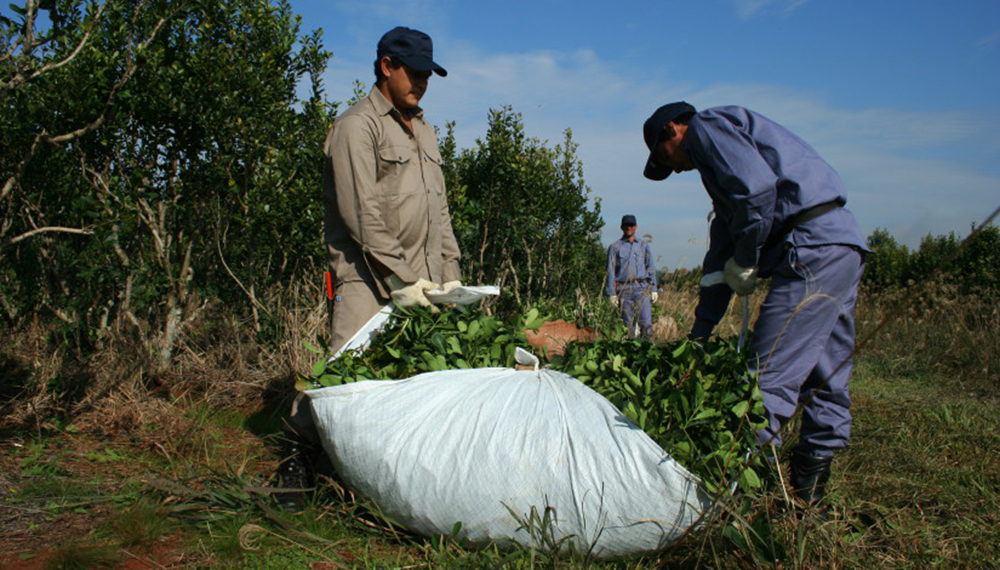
[
  {"x": 628, "y": 220},
  {"x": 652, "y": 130},
  {"x": 412, "y": 48}
]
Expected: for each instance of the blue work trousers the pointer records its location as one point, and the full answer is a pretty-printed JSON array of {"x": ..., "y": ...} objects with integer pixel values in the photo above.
[
  {"x": 635, "y": 307},
  {"x": 804, "y": 340}
]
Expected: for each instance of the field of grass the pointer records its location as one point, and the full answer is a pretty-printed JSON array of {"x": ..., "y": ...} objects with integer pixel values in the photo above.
[{"x": 174, "y": 475}]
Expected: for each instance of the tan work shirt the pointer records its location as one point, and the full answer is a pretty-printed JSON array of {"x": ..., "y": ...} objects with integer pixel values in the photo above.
[{"x": 386, "y": 209}]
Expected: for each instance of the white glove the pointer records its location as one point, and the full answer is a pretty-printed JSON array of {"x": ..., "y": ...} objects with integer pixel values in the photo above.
[
  {"x": 410, "y": 295},
  {"x": 451, "y": 285},
  {"x": 654, "y": 296},
  {"x": 740, "y": 279},
  {"x": 613, "y": 300}
]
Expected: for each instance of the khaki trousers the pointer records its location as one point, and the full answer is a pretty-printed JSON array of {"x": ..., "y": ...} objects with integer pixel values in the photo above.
[{"x": 355, "y": 304}]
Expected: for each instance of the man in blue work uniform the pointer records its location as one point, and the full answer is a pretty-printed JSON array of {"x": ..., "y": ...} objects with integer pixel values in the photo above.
[
  {"x": 632, "y": 279},
  {"x": 779, "y": 213}
]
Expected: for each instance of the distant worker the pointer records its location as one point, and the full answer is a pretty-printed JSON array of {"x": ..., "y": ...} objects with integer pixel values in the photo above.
[
  {"x": 631, "y": 279},
  {"x": 387, "y": 225},
  {"x": 779, "y": 213}
]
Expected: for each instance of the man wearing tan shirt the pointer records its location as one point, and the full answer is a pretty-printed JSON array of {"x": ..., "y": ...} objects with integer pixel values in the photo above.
[{"x": 388, "y": 228}]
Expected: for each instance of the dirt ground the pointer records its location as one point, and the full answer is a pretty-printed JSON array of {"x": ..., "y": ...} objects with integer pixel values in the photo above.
[{"x": 100, "y": 455}]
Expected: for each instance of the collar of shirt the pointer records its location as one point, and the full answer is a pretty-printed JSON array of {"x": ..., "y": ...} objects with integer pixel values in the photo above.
[{"x": 384, "y": 107}]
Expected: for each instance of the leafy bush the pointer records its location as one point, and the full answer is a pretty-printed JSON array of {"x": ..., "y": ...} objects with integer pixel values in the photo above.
[
  {"x": 523, "y": 216},
  {"x": 156, "y": 155},
  {"x": 973, "y": 263}
]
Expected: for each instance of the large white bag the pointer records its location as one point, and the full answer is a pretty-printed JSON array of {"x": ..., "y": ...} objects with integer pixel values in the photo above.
[{"x": 481, "y": 446}]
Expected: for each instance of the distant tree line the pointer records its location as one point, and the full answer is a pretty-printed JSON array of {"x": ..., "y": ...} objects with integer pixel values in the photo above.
[{"x": 973, "y": 265}]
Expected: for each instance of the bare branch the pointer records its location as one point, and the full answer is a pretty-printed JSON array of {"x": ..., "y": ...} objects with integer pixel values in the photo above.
[
  {"x": 222, "y": 258},
  {"x": 48, "y": 229},
  {"x": 44, "y": 137},
  {"x": 79, "y": 47},
  {"x": 29, "y": 24},
  {"x": 30, "y": 44},
  {"x": 28, "y": 155}
]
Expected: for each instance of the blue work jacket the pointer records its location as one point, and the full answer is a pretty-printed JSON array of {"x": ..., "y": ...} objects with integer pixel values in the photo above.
[
  {"x": 630, "y": 262},
  {"x": 760, "y": 176}
]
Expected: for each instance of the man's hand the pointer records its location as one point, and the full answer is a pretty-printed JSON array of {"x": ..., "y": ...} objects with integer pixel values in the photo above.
[
  {"x": 411, "y": 295},
  {"x": 654, "y": 296},
  {"x": 451, "y": 285},
  {"x": 613, "y": 300},
  {"x": 740, "y": 279}
]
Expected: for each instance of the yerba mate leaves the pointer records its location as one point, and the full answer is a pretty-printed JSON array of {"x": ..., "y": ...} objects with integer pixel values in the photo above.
[
  {"x": 698, "y": 402},
  {"x": 416, "y": 341}
]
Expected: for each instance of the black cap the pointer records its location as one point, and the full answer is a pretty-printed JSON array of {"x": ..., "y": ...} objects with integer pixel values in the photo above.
[
  {"x": 652, "y": 130},
  {"x": 628, "y": 220},
  {"x": 411, "y": 47}
]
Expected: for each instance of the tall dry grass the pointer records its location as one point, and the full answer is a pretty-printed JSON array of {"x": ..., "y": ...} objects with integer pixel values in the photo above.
[
  {"x": 933, "y": 328},
  {"x": 929, "y": 327},
  {"x": 221, "y": 358},
  {"x": 676, "y": 314}
]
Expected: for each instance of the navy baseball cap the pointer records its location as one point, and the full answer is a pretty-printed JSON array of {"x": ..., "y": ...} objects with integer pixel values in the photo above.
[
  {"x": 628, "y": 220},
  {"x": 652, "y": 130},
  {"x": 411, "y": 47}
]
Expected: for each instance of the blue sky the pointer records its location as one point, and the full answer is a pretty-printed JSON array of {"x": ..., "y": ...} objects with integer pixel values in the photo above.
[{"x": 902, "y": 97}]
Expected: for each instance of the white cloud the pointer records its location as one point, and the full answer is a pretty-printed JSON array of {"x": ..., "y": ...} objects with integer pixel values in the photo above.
[
  {"x": 418, "y": 14},
  {"x": 750, "y": 8},
  {"x": 989, "y": 40}
]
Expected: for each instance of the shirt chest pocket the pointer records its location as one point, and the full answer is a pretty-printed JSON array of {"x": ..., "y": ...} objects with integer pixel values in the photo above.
[
  {"x": 433, "y": 175},
  {"x": 628, "y": 253},
  {"x": 394, "y": 162}
]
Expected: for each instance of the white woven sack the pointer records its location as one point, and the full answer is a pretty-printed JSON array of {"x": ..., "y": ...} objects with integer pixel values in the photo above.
[{"x": 475, "y": 446}]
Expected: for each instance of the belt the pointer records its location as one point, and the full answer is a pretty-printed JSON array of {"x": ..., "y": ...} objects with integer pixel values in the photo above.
[
  {"x": 801, "y": 218},
  {"x": 814, "y": 212},
  {"x": 632, "y": 281}
]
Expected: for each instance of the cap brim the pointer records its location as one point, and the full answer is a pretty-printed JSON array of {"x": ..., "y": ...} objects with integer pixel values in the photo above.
[
  {"x": 423, "y": 64},
  {"x": 654, "y": 171}
]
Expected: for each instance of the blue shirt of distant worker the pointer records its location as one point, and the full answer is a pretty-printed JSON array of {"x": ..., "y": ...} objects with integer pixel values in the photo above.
[
  {"x": 632, "y": 279},
  {"x": 779, "y": 213}
]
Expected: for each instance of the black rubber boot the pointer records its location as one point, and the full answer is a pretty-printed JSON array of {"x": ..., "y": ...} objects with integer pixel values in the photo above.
[
  {"x": 809, "y": 475},
  {"x": 296, "y": 474}
]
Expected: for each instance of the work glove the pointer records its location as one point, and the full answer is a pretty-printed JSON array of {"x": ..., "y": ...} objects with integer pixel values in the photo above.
[
  {"x": 404, "y": 295},
  {"x": 613, "y": 300},
  {"x": 654, "y": 296},
  {"x": 740, "y": 279},
  {"x": 451, "y": 285}
]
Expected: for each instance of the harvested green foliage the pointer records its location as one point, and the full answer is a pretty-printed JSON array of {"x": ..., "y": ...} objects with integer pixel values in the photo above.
[
  {"x": 416, "y": 341},
  {"x": 695, "y": 401}
]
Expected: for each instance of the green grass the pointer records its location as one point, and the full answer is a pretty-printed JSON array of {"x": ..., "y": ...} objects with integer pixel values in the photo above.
[
  {"x": 142, "y": 523},
  {"x": 926, "y": 458},
  {"x": 919, "y": 487},
  {"x": 83, "y": 557}
]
